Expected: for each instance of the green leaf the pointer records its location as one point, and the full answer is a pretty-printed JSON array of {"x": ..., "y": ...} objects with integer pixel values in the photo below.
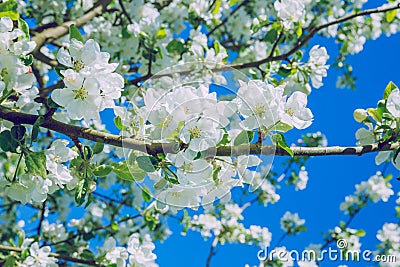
[
  {"x": 18, "y": 132},
  {"x": 118, "y": 123},
  {"x": 7, "y": 143},
  {"x": 375, "y": 114},
  {"x": 35, "y": 128},
  {"x": 176, "y": 47},
  {"x": 390, "y": 15},
  {"x": 23, "y": 26},
  {"x": 217, "y": 47},
  {"x": 10, "y": 261},
  {"x": 98, "y": 148},
  {"x": 245, "y": 137},
  {"x": 147, "y": 163},
  {"x": 284, "y": 71},
  {"x": 299, "y": 30},
  {"x": 81, "y": 191},
  {"x": 271, "y": 36},
  {"x": 281, "y": 142},
  {"x": 74, "y": 33},
  {"x": 283, "y": 127},
  {"x": 87, "y": 255},
  {"x": 359, "y": 233},
  {"x": 52, "y": 104},
  {"x": 389, "y": 88},
  {"x": 146, "y": 193},
  {"x": 26, "y": 60},
  {"x": 161, "y": 33},
  {"x": 35, "y": 163},
  {"x": 232, "y": 2},
  {"x": 130, "y": 173},
  {"x": 217, "y": 5},
  {"x": 225, "y": 140},
  {"x": 9, "y": 9},
  {"x": 88, "y": 152},
  {"x": 102, "y": 170}
]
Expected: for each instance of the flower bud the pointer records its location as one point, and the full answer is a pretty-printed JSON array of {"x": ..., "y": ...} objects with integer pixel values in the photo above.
[{"x": 360, "y": 115}]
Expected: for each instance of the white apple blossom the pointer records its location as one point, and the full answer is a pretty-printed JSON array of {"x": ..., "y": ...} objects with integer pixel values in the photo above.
[
  {"x": 141, "y": 253},
  {"x": 290, "y": 222},
  {"x": 57, "y": 154},
  {"x": 317, "y": 65},
  {"x": 393, "y": 103},
  {"x": 39, "y": 257},
  {"x": 290, "y": 11},
  {"x": 296, "y": 114}
]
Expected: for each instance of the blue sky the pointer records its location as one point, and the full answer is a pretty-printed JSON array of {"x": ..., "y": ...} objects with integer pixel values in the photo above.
[{"x": 331, "y": 178}]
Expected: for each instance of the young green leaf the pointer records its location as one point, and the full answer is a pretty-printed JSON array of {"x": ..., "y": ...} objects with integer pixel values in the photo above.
[
  {"x": 146, "y": 193},
  {"x": 74, "y": 33},
  {"x": 147, "y": 163},
  {"x": 9, "y": 9},
  {"x": 281, "y": 142},
  {"x": 389, "y": 88},
  {"x": 18, "y": 132},
  {"x": 7, "y": 143},
  {"x": 81, "y": 191},
  {"x": 245, "y": 137},
  {"x": 36, "y": 163},
  {"x": 98, "y": 148}
]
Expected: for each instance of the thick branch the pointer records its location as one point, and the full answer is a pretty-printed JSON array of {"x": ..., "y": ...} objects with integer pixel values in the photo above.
[
  {"x": 310, "y": 34},
  {"x": 61, "y": 30},
  {"x": 155, "y": 148},
  {"x": 271, "y": 57},
  {"x": 55, "y": 255}
]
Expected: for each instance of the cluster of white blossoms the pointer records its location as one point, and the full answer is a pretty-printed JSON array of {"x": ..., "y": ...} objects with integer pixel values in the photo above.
[
  {"x": 350, "y": 235},
  {"x": 199, "y": 120},
  {"x": 291, "y": 11},
  {"x": 36, "y": 187},
  {"x": 39, "y": 257},
  {"x": 375, "y": 189},
  {"x": 139, "y": 252},
  {"x": 389, "y": 236},
  {"x": 227, "y": 227},
  {"x": 291, "y": 223},
  {"x": 382, "y": 124},
  {"x": 15, "y": 73},
  {"x": 91, "y": 82}
]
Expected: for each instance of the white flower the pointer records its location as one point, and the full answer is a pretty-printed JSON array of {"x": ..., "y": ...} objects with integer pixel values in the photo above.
[
  {"x": 39, "y": 257},
  {"x": 259, "y": 103},
  {"x": 393, "y": 103},
  {"x": 207, "y": 224},
  {"x": 317, "y": 65},
  {"x": 296, "y": 114},
  {"x": 81, "y": 97},
  {"x": 59, "y": 153},
  {"x": 290, "y": 11},
  {"x": 113, "y": 254},
  {"x": 201, "y": 134},
  {"x": 290, "y": 222},
  {"x": 390, "y": 233},
  {"x": 141, "y": 253},
  {"x": 301, "y": 182}
]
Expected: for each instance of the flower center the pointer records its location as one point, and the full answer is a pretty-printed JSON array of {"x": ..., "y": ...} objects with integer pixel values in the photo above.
[
  {"x": 56, "y": 159},
  {"x": 187, "y": 167},
  {"x": 259, "y": 110},
  {"x": 195, "y": 132},
  {"x": 290, "y": 111},
  {"x": 81, "y": 93},
  {"x": 78, "y": 65}
]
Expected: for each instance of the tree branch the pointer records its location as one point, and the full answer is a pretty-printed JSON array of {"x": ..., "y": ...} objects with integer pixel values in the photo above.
[
  {"x": 212, "y": 253},
  {"x": 310, "y": 34},
  {"x": 156, "y": 148},
  {"x": 55, "y": 255},
  {"x": 51, "y": 34}
]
